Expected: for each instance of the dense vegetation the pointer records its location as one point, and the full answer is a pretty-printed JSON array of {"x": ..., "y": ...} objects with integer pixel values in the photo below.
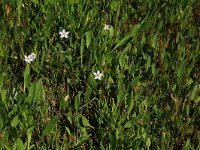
[{"x": 145, "y": 95}]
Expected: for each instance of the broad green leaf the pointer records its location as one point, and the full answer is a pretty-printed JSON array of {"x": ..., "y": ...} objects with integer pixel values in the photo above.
[
  {"x": 194, "y": 92},
  {"x": 97, "y": 57},
  {"x": 148, "y": 143},
  {"x": 91, "y": 81},
  {"x": 121, "y": 96},
  {"x": 111, "y": 33},
  {"x": 88, "y": 38},
  {"x": 38, "y": 92},
  {"x": 160, "y": 25},
  {"x": 131, "y": 105},
  {"x": 154, "y": 41},
  {"x": 153, "y": 68},
  {"x": 31, "y": 93},
  {"x": 143, "y": 132},
  {"x": 148, "y": 64},
  {"x": 109, "y": 57},
  {"x": 62, "y": 58},
  {"x": 15, "y": 121},
  {"x": 19, "y": 4},
  {"x": 114, "y": 5},
  {"x": 109, "y": 82},
  {"x": 77, "y": 101},
  {"x": 122, "y": 61},
  {"x": 187, "y": 145},
  {"x": 49, "y": 21},
  {"x": 26, "y": 76},
  {"x": 128, "y": 124},
  {"x": 85, "y": 122},
  {"x": 32, "y": 90},
  {"x": 143, "y": 41},
  {"x": 49, "y": 127},
  {"x": 20, "y": 145},
  {"x": 103, "y": 60},
  {"x": 69, "y": 116},
  {"x": 181, "y": 69}
]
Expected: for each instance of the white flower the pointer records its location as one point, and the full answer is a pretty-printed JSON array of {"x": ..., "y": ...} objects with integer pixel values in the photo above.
[
  {"x": 30, "y": 58},
  {"x": 27, "y": 59},
  {"x": 106, "y": 27},
  {"x": 64, "y": 34},
  {"x": 98, "y": 75}
]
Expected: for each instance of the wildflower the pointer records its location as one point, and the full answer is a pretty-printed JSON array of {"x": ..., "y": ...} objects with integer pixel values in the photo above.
[
  {"x": 64, "y": 34},
  {"x": 30, "y": 58},
  {"x": 106, "y": 27},
  {"x": 98, "y": 75}
]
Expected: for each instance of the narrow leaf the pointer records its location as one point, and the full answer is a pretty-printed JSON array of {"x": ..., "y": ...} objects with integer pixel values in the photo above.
[
  {"x": 148, "y": 64},
  {"x": 132, "y": 101},
  {"x": 49, "y": 127},
  {"x": 88, "y": 38},
  {"x": 127, "y": 37},
  {"x": 29, "y": 135},
  {"x": 82, "y": 49},
  {"x": 113, "y": 140},
  {"x": 134, "y": 81},
  {"x": 26, "y": 76},
  {"x": 3, "y": 117}
]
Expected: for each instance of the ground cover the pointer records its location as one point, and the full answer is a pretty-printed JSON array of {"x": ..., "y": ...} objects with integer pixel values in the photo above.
[{"x": 99, "y": 74}]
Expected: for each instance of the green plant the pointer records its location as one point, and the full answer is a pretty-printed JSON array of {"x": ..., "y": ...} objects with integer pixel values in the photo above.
[{"x": 145, "y": 55}]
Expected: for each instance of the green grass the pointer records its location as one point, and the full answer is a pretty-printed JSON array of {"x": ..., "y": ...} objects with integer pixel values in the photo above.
[{"x": 148, "y": 97}]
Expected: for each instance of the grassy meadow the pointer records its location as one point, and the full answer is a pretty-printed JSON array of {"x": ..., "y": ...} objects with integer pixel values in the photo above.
[{"x": 100, "y": 74}]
